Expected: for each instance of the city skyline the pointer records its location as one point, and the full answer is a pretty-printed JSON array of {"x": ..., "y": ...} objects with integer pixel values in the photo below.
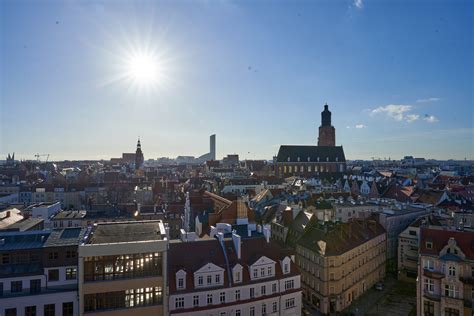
[{"x": 256, "y": 75}]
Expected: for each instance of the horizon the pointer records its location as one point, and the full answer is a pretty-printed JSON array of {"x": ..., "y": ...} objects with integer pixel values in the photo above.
[{"x": 255, "y": 74}]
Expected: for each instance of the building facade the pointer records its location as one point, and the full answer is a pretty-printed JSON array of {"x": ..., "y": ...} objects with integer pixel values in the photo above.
[
  {"x": 232, "y": 277},
  {"x": 445, "y": 284},
  {"x": 122, "y": 269},
  {"x": 339, "y": 262}
]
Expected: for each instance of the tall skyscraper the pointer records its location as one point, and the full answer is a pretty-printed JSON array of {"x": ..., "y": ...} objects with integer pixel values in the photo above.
[
  {"x": 213, "y": 146},
  {"x": 327, "y": 132}
]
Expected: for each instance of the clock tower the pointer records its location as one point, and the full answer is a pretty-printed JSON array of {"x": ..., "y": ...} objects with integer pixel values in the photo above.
[{"x": 327, "y": 132}]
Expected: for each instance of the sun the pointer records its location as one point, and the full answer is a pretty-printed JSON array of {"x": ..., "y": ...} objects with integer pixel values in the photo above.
[{"x": 143, "y": 69}]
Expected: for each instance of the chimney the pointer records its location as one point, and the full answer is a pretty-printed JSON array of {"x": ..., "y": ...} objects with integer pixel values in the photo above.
[
  {"x": 267, "y": 233},
  {"x": 237, "y": 245}
]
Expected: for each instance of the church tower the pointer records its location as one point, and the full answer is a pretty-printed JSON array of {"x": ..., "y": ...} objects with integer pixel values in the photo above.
[
  {"x": 327, "y": 132},
  {"x": 139, "y": 156}
]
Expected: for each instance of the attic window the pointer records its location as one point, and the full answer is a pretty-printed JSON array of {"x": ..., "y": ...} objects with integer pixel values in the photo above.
[{"x": 429, "y": 245}]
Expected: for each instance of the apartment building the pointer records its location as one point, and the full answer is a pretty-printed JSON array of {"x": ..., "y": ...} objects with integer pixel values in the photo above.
[
  {"x": 38, "y": 272},
  {"x": 339, "y": 262},
  {"x": 122, "y": 269},
  {"x": 230, "y": 275},
  {"x": 408, "y": 246},
  {"x": 445, "y": 283}
]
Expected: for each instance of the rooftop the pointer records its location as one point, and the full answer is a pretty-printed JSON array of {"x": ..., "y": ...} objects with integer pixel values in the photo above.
[
  {"x": 65, "y": 237},
  {"x": 70, "y": 215},
  {"x": 120, "y": 232}
]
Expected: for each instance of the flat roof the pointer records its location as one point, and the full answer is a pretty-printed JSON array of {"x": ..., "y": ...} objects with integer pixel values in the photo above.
[
  {"x": 65, "y": 237},
  {"x": 117, "y": 232}
]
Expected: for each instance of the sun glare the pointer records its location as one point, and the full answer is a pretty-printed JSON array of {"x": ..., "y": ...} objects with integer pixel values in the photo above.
[{"x": 143, "y": 69}]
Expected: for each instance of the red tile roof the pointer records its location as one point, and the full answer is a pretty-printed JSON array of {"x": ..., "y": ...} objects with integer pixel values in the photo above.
[{"x": 439, "y": 239}]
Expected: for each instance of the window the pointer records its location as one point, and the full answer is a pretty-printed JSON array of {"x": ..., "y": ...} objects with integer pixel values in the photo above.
[
  {"x": 222, "y": 297},
  {"x": 209, "y": 279},
  {"x": 49, "y": 310},
  {"x": 16, "y": 286},
  {"x": 331, "y": 276},
  {"x": 196, "y": 300},
  {"x": 53, "y": 275},
  {"x": 451, "y": 312},
  {"x": 237, "y": 295},
  {"x": 53, "y": 255},
  {"x": 68, "y": 309},
  {"x": 286, "y": 268},
  {"x": 428, "y": 264},
  {"x": 71, "y": 254},
  {"x": 275, "y": 307},
  {"x": 35, "y": 286},
  {"x": 237, "y": 276},
  {"x": 71, "y": 273},
  {"x": 262, "y": 272},
  {"x": 255, "y": 273},
  {"x": 10, "y": 312},
  {"x": 269, "y": 270},
  {"x": 452, "y": 270},
  {"x": 30, "y": 311},
  {"x": 252, "y": 309},
  {"x": 209, "y": 298},
  {"x": 451, "y": 291},
  {"x": 252, "y": 292},
  {"x": 180, "y": 283},
  {"x": 179, "y": 302},
  {"x": 274, "y": 288},
  {"x": 263, "y": 290},
  {"x": 290, "y": 303},
  {"x": 429, "y": 245},
  {"x": 289, "y": 284},
  {"x": 218, "y": 278},
  {"x": 264, "y": 309},
  {"x": 237, "y": 312},
  {"x": 200, "y": 280},
  {"x": 428, "y": 308},
  {"x": 429, "y": 285}
]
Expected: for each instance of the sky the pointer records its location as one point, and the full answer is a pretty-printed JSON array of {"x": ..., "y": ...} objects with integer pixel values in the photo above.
[{"x": 397, "y": 75}]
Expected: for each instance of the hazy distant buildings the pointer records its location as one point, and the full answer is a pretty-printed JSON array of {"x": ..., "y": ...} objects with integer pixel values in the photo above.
[
  {"x": 211, "y": 155},
  {"x": 307, "y": 161}
]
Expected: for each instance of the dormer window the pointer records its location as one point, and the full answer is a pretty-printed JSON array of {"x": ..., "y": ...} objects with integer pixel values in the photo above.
[
  {"x": 429, "y": 245},
  {"x": 237, "y": 273},
  {"x": 181, "y": 279}
]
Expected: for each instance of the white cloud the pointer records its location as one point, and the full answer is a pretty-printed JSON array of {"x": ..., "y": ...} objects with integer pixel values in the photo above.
[
  {"x": 430, "y": 118},
  {"x": 359, "y": 4},
  {"x": 428, "y": 100},
  {"x": 394, "y": 111},
  {"x": 412, "y": 117},
  {"x": 360, "y": 126},
  {"x": 348, "y": 126}
]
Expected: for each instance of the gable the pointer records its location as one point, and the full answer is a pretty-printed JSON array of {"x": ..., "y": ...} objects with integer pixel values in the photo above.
[
  {"x": 209, "y": 267},
  {"x": 263, "y": 260}
]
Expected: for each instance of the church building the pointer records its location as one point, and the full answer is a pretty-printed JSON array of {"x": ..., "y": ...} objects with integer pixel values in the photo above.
[{"x": 324, "y": 160}]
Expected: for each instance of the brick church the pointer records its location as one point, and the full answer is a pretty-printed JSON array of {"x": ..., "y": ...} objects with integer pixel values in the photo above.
[{"x": 324, "y": 160}]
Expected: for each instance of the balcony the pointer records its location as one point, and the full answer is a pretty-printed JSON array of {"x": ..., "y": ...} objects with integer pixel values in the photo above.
[
  {"x": 433, "y": 274},
  {"x": 42, "y": 291}
]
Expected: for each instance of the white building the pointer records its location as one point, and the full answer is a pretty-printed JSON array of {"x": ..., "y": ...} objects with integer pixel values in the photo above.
[
  {"x": 232, "y": 276},
  {"x": 46, "y": 211}
]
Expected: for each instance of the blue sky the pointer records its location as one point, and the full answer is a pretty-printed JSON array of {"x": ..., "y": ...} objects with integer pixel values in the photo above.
[{"x": 397, "y": 75}]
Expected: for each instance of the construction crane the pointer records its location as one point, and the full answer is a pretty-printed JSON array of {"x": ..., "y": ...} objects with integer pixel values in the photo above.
[{"x": 37, "y": 156}]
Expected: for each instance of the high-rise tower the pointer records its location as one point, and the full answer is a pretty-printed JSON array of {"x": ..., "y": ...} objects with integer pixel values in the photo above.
[
  {"x": 212, "y": 149},
  {"x": 138, "y": 156},
  {"x": 327, "y": 132}
]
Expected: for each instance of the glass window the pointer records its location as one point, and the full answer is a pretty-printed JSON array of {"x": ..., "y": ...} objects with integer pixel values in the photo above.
[
  {"x": 30, "y": 311},
  {"x": 179, "y": 302},
  {"x": 35, "y": 286},
  {"x": 218, "y": 278},
  {"x": 252, "y": 311},
  {"x": 16, "y": 286},
  {"x": 222, "y": 297},
  {"x": 53, "y": 275},
  {"x": 209, "y": 279},
  {"x": 49, "y": 310},
  {"x": 68, "y": 309},
  {"x": 71, "y": 273},
  {"x": 209, "y": 298},
  {"x": 10, "y": 312},
  {"x": 237, "y": 295},
  {"x": 196, "y": 300},
  {"x": 252, "y": 292},
  {"x": 263, "y": 290}
]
